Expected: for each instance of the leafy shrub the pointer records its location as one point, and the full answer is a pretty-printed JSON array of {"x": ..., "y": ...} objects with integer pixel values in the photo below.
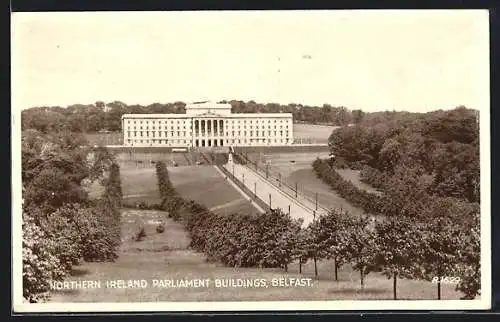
[
  {"x": 80, "y": 233},
  {"x": 40, "y": 264},
  {"x": 142, "y": 205},
  {"x": 160, "y": 228},
  {"x": 60, "y": 228},
  {"x": 373, "y": 177},
  {"x": 61, "y": 225},
  {"x": 141, "y": 234}
]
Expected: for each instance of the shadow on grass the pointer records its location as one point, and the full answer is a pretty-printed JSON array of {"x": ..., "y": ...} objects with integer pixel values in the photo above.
[
  {"x": 351, "y": 290},
  {"x": 79, "y": 272}
]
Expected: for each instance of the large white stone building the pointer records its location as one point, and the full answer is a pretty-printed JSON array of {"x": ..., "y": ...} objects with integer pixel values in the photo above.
[{"x": 208, "y": 124}]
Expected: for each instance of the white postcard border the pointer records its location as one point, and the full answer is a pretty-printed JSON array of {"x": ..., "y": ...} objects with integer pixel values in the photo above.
[{"x": 19, "y": 305}]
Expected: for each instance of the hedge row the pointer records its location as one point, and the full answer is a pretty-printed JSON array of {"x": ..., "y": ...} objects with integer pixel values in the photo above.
[
  {"x": 165, "y": 186},
  {"x": 243, "y": 240},
  {"x": 369, "y": 202},
  {"x": 248, "y": 240},
  {"x": 110, "y": 207}
]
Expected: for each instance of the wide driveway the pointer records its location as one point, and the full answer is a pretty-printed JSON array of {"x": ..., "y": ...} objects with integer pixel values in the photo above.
[{"x": 270, "y": 192}]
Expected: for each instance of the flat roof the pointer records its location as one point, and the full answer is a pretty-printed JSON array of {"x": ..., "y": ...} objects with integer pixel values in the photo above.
[
  {"x": 207, "y": 106},
  {"x": 184, "y": 116}
]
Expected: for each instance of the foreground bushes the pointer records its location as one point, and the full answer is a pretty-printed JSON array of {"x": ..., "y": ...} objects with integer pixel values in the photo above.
[
  {"x": 61, "y": 226},
  {"x": 260, "y": 240},
  {"x": 41, "y": 266},
  {"x": 54, "y": 243}
]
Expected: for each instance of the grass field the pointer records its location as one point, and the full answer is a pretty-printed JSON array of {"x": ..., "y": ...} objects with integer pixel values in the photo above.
[
  {"x": 167, "y": 256},
  {"x": 203, "y": 184},
  {"x": 354, "y": 177},
  {"x": 139, "y": 184},
  {"x": 320, "y": 133}
]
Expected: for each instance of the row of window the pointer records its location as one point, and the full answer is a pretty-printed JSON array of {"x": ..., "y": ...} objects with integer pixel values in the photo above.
[
  {"x": 178, "y": 121},
  {"x": 159, "y": 128},
  {"x": 197, "y": 128},
  {"x": 158, "y": 141},
  {"x": 251, "y": 133},
  {"x": 146, "y": 133},
  {"x": 159, "y": 121},
  {"x": 230, "y": 141},
  {"x": 183, "y": 133}
]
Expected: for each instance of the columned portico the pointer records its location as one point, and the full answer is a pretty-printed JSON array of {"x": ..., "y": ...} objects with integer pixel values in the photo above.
[{"x": 208, "y": 132}]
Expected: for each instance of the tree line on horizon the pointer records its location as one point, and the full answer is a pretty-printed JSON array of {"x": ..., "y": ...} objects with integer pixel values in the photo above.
[{"x": 90, "y": 118}]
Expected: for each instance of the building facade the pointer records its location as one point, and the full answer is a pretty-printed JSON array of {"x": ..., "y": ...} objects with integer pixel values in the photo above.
[{"x": 208, "y": 125}]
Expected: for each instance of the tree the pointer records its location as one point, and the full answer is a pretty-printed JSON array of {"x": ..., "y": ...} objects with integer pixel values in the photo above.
[
  {"x": 314, "y": 250},
  {"x": 440, "y": 246},
  {"x": 280, "y": 240},
  {"x": 390, "y": 154},
  {"x": 357, "y": 116},
  {"x": 301, "y": 252},
  {"x": 406, "y": 193},
  {"x": 361, "y": 245},
  {"x": 332, "y": 237},
  {"x": 398, "y": 242},
  {"x": 469, "y": 267}
]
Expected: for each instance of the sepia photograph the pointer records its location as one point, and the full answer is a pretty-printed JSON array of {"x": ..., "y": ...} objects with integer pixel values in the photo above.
[{"x": 250, "y": 160}]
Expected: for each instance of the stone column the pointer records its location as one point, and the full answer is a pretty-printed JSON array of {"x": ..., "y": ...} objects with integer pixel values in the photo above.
[
  {"x": 213, "y": 127},
  {"x": 206, "y": 129}
]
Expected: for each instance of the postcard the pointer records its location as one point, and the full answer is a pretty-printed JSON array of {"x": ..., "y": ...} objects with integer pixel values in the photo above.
[{"x": 251, "y": 161}]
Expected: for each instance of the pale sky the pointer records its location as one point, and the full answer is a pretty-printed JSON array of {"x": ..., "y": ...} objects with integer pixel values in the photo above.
[{"x": 369, "y": 60}]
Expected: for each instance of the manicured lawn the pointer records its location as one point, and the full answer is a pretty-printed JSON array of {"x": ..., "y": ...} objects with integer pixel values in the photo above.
[
  {"x": 320, "y": 133},
  {"x": 167, "y": 256},
  {"x": 354, "y": 177},
  {"x": 309, "y": 185},
  {"x": 139, "y": 184},
  {"x": 204, "y": 184}
]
